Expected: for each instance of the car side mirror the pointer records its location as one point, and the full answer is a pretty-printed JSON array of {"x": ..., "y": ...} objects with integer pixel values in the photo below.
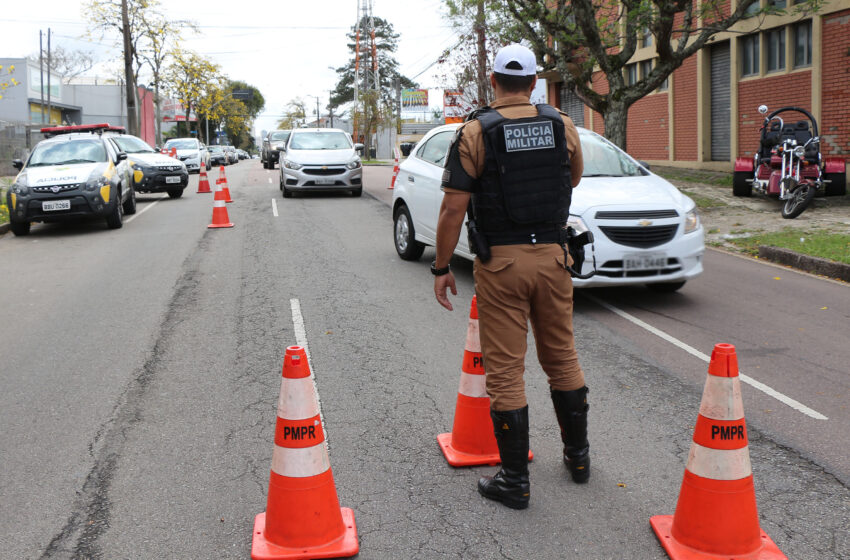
[
  {"x": 644, "y": 164},
  {"x": 17, "y": 164},
  {"x": 122, "y": 156}
]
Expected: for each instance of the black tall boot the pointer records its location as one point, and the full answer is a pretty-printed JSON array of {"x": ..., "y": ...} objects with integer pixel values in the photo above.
[
  {"x": 571, "y": 409},
  {"x": 510, "y": 485}
]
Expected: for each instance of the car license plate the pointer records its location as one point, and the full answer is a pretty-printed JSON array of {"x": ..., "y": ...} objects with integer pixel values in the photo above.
[
  {"x": 172, "y": 179},
  {"x": 53, "y": 205},
  {"x": 648, "y": 261},
  {"x": 325, "y": 181}
]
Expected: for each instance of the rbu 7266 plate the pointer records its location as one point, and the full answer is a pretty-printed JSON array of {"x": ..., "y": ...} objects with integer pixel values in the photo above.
[{"x": 529, "y": 136}]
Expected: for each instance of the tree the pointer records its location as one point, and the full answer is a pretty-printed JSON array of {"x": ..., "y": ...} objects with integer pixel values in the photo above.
[
  {"x": 68, "y": 64},
  {"x": 294, "y": 114},
  {"x": 372, "y": 106},
  {"x": 236, "y": 115},
  {"x": 196, "y": 82},
  {"x": 159, "y": 34},
  {"x": 578, "y": 38}
]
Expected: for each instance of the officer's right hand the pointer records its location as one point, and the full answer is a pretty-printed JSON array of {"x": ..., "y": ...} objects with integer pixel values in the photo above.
[{"x": 440, "y": 285}]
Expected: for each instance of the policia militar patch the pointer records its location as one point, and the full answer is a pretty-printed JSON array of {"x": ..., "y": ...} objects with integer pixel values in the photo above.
[{"x": 539, "y": 135}]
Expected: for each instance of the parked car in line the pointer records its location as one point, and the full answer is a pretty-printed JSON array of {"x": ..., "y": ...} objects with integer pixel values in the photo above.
[
  {"x": 242, "y": 154},
  {"x": 151, "y": 171},
  {"x": 74, "y": 172},
  {"x": 232, "y": 156},
  {"x": 645, "y": 230},
  {"x": 217, "y": 155},
  {"x": 273, "y": 144},
  {"x": 191, "y": 151},
  {"x": 320, "y": 159}
]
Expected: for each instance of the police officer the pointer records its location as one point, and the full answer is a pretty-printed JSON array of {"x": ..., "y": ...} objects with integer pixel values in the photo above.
[{"x": 518, "y": 164}]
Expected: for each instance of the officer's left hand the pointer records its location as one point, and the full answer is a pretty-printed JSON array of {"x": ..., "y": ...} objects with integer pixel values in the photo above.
[{"x": 440, "y": 285}]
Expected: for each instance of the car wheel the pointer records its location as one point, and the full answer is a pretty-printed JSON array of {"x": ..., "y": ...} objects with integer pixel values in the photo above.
[
  {"x": 404, "y": 236},
  {"x": 175, "y": 192},
  {"x": 130, "y": 203},
  {"x": 837, "y": 185},
  {"x": 115, "y": 220},
  {"x": 740, "y": 186},
  {"x": 20, "y": 228},
  {"x": 665, "y": 287},
  {"x": 357, "y": 191},
  {"x": 286, "y": 192}
]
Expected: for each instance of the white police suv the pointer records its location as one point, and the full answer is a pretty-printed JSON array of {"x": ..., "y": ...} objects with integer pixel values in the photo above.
[{"x": 75, "y": 172}]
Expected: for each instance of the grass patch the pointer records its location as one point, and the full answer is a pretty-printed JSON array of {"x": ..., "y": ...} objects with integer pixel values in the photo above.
[
  {"x": 4, "y": 210},
  {"x": 717, "y": 178},
  {"x": 703, "y": 201},
  {"x": 832, "y": 246}
]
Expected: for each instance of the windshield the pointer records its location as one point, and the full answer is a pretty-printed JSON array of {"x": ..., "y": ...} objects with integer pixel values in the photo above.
[
  {"x": 74, "y": 151},
  {"x": 132, "y": 145},
  {"x": 279, "y": 135},
  {"x": 604, "y": 159},
  {"x": 214, "y": 148},
  {"x": 187, "y": 144},
  {"x": 319, "y": 141}
]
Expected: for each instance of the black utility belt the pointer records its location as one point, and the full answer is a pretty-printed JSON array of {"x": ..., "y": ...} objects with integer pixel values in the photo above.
[{"x": 514, "y": 238}]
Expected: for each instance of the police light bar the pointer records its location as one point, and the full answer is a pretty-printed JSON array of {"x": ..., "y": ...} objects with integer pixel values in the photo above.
[{"x": 100, "y": 127}]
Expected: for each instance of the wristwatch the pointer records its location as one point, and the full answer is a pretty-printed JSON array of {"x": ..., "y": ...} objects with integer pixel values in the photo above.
[{"x": 439, "y": 271}]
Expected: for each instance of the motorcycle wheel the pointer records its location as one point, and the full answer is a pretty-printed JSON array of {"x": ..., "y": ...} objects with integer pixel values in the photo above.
[
  {"x": 740, "y": 185},
  {"x": 799, "y": 200}
]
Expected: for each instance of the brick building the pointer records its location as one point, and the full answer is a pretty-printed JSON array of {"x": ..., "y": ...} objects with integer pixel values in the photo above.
[{"x": 706, "y": 114}]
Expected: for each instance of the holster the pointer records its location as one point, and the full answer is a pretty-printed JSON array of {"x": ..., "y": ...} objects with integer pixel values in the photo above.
[
  {"x": 478, "y": 244},
  {"x": 574, "y": 243}
]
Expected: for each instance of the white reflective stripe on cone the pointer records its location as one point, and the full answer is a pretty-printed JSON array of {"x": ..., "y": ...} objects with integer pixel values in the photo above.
[
  {"x": 721, "y": 398},
  {"x": 297, "y": 399},
  {"x": 302, "y": 462},
  {"x": 473, "y": 339},
  {"x": 218, "y": 204},
  {"x": 719, "y": 464},
  {"x": 472, "y": 385}
]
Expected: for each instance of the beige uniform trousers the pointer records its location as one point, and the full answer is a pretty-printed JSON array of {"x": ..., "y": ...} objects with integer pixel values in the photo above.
[{"x": 521, "y": 283}]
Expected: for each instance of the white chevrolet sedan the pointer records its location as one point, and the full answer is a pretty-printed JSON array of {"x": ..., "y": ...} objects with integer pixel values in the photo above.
[{"x": 645, "y": 230}]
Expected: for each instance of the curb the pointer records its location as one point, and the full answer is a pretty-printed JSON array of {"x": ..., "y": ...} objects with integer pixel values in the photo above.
[
  {"x": 815, "y": 265},
  {"x": 4, "y": 228}
]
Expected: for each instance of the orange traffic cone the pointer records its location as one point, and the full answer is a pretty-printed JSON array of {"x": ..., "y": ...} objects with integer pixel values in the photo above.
[
  {"x": 219, "y": 216},
  {"x": 471, "y": 441},
  {"x": 173, "y": 152},
  {"x": 222, "y": 180},
  {"x": 302, "y": 518},
  {"x": 203, "y": 182},
  {"x": 395, "y": 170},
  {"x": 716, "y": 516}
]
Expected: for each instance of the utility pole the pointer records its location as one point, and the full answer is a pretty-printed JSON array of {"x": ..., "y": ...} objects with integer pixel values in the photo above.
[
  {"x": 41, "y": 71},
  {"x": 356, "y": 72},
  {"x": 130, "y": 81},
  {"x": 49, "y": 107}
]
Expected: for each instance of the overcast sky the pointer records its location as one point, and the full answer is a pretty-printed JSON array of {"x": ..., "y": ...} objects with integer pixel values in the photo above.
[{"x": 282, "y": 47}]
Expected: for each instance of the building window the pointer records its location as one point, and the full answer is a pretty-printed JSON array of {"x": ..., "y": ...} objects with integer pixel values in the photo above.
[
  {"x": 803, "y": 44},
  {"x": 776, "y": 50},
  {"x": 646, "y": 37},
  {"x": 777, "y": 4},
  {"x": 750, "y": 55},
  {"x": 753, "y": 8},
  {"x": 631, "y": 74},
  {"x": 645, "y": 68},
  {"x": 665, "y": 85}
]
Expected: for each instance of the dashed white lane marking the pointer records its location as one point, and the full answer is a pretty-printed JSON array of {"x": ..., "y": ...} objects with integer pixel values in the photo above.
[
  {"x": 301, "y": 340},
  {"x": 143, "y": 210},
  {"x": 274, "y": 207},
  {"x": 270, "y": 180},
  {"x": 694, "y": 352}
]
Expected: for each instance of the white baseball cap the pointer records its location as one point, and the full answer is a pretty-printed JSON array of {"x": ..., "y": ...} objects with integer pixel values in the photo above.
[{"x": 515, "y": 55}]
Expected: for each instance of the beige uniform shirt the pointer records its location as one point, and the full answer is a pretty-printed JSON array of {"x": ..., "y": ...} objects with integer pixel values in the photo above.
[{"x": 471, "y": 146}]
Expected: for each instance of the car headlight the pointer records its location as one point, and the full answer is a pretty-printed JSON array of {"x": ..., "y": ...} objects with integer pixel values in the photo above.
[
  {"x": 691, "y": 220},
  {"x": 95, "y": 183},
  {"x": 577, "y": 224},
  {"x": 289, "y": 164},
  {"x": 20, "y": 190},
  {"x": 353, "y": 164}
]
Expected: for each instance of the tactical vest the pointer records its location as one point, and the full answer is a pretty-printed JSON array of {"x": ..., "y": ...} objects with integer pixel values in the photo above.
[{"x": 526, "y": 185}]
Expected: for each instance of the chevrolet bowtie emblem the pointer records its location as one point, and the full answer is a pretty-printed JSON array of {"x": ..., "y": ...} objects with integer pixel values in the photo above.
[
  {"x": 644, "y": 223},
  {"x": 324, "y": 167}
]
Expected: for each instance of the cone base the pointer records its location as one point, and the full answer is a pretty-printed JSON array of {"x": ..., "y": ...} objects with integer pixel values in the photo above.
[
  {"x": 220, "y": 225},
  {"x": 343, "y": 547},
  {"x": 457, "y": 458},
  {"x": 203, "y": 191},
  {"x": 663, "y": 525}
]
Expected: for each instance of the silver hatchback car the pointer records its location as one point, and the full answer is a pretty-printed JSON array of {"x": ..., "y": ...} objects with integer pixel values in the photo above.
[{"x": 320, "y": 159}]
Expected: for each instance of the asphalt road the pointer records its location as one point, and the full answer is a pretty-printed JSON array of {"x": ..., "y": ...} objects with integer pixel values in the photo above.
[{"x": 140, "y": 372}]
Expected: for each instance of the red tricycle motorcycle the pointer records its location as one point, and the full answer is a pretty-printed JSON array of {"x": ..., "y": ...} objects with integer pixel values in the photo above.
[{"x": 789, "y": 165}]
